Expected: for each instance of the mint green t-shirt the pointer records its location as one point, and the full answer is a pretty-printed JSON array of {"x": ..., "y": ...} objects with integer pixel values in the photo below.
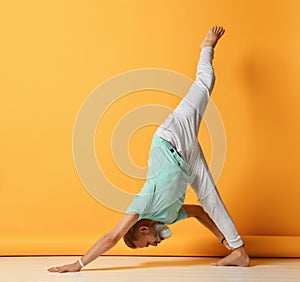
[{"x": 163, "y": 193}]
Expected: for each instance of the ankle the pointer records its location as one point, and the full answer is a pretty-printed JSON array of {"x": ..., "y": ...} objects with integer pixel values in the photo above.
[{"x": 207, "y": 44}]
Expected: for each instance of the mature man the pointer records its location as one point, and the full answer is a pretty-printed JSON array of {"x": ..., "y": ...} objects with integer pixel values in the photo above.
[{"x": 175, "y": 160}]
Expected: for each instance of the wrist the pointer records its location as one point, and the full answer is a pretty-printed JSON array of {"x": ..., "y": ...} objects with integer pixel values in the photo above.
[
  {"x": 80, "y": 263},
  {"x": 77, "y": 265}
]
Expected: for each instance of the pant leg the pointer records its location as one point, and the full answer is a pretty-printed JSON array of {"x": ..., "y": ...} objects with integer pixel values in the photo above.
[
  {"x": 209, "y": 197},
  {"x": 182, "y": 126},
  {"x": 181, "y": 130}
]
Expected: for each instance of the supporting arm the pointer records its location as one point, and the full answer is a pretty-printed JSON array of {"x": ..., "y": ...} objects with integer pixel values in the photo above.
[
  {"x": 197, "y": 212},
  {"x": 105, "y": 243}
]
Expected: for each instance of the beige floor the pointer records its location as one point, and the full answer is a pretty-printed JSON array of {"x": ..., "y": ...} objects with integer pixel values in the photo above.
[{"x": 143, "y": 269}]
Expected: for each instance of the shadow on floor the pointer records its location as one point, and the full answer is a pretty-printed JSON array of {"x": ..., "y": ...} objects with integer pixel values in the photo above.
[{"x": 175, "y": 263}]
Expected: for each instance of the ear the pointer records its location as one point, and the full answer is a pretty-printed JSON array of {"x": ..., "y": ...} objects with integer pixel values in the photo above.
[{"x": 144, "y": 229}]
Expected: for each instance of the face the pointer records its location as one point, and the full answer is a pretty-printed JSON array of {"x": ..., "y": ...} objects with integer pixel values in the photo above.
[{"x": 147, "y": 237}]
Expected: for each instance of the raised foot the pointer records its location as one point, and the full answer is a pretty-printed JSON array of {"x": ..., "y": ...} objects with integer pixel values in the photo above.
[
  {"x": 213, "y": 36},
  {"x": 238, "y": 257}
]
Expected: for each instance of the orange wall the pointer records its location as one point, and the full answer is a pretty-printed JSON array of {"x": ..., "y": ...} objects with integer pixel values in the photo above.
[{"x": 54, "y": 53}]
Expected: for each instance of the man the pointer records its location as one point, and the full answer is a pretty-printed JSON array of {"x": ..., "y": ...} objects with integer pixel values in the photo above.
[{"x": 175, "y": 160}]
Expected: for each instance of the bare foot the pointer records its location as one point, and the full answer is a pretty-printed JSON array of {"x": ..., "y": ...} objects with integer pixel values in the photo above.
[
  {"x": 238, "y": 257},
  {"x": 213, "y": 36}
]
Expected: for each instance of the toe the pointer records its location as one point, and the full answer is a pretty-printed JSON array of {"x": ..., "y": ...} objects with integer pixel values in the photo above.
[
  {"x": 221, "y": 31},
  {"x": 218, "y": 263}
]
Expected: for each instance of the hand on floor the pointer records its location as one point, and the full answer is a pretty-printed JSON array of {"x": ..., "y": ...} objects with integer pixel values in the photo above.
[{"x": 73, "y": 267}]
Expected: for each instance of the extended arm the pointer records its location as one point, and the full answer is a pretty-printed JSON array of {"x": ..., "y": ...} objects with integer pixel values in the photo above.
[{"x": 105, "y": 243}]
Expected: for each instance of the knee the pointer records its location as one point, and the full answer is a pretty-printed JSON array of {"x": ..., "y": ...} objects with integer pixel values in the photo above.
[{"x": 206, "y": 81}]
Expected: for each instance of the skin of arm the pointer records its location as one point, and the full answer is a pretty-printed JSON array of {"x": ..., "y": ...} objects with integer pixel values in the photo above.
[
  {"x": 105, "y": 243},
  {"x": 197, "y": 212}
]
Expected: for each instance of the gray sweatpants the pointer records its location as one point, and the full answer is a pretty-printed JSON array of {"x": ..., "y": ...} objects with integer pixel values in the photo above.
[{"x": 181, "y": 130}]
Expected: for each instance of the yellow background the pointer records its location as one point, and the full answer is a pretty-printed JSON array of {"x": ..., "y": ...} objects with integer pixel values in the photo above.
[{"x": 54, "y": 53}]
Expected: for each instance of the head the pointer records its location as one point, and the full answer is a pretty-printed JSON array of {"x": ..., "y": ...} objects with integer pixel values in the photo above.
[{"x": 144, "y": 233}]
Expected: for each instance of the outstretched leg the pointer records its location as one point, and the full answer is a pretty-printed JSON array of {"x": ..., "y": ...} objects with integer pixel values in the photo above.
[{"x": 182, "y": 126}]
